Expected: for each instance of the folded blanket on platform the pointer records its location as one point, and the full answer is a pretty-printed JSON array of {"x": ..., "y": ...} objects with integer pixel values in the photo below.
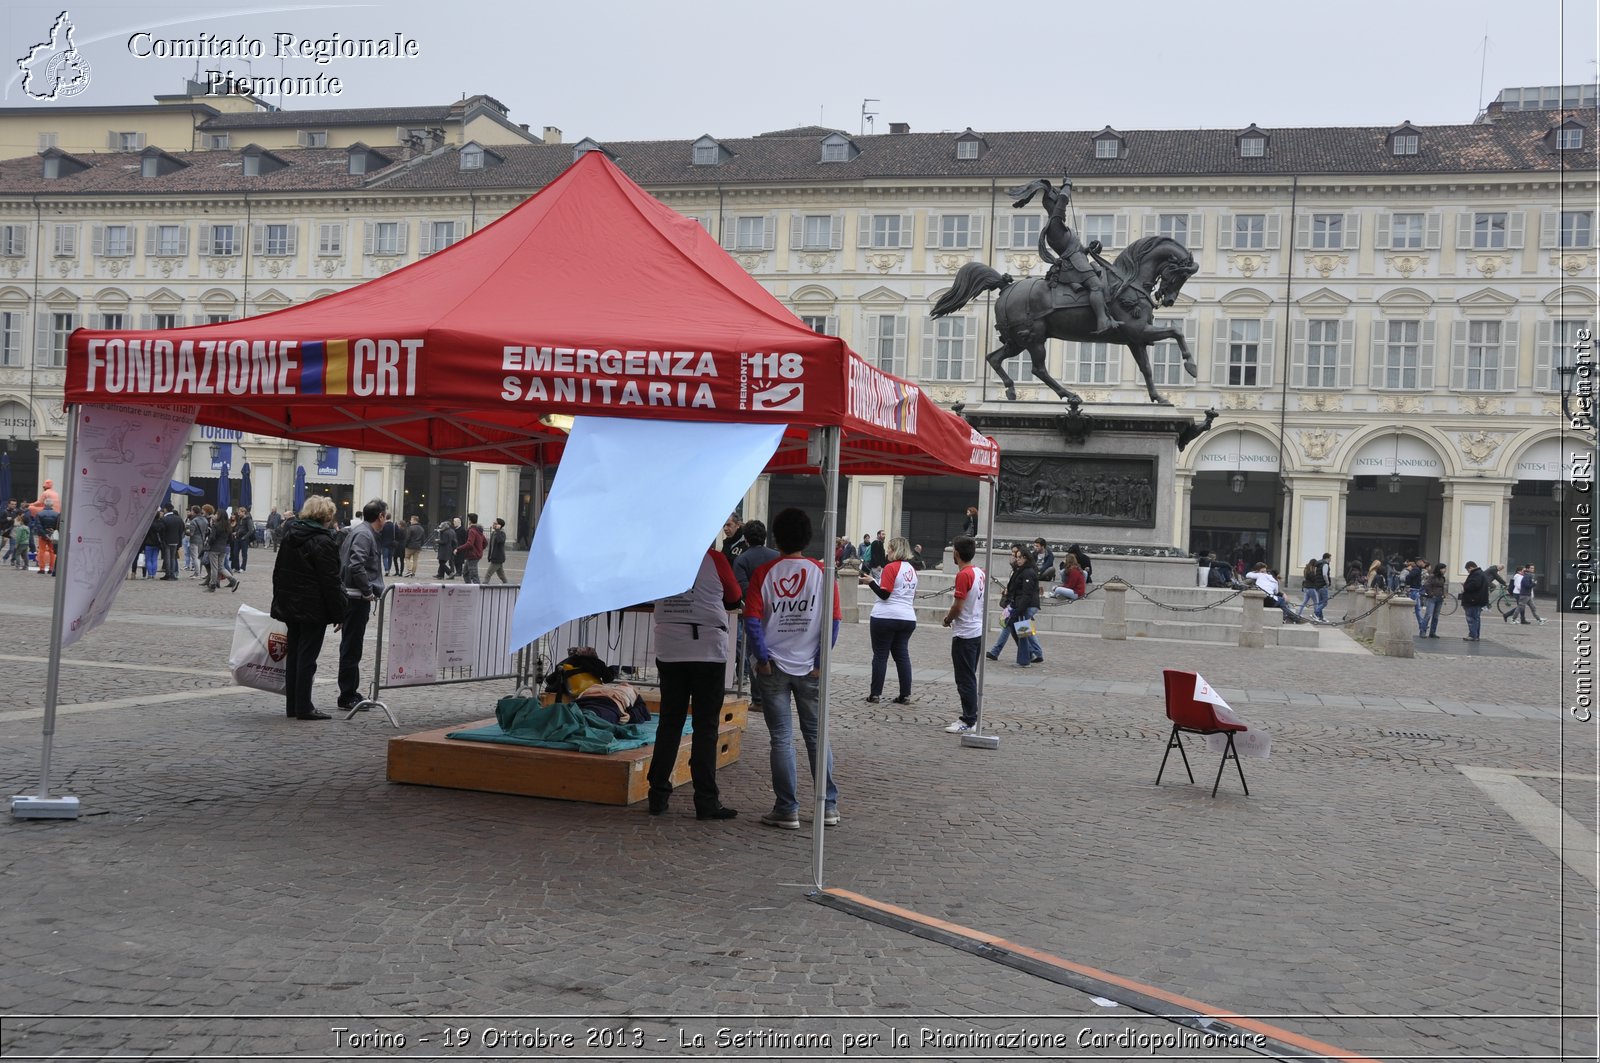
[{"x": 525, "y": 722}]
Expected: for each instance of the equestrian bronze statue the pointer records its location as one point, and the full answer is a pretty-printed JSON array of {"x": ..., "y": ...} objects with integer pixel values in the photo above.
[{"x": 1072, "y": 301}]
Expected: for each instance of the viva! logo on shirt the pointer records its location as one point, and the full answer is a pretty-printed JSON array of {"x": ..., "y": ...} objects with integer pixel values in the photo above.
[{"x": 791, "y": 586}]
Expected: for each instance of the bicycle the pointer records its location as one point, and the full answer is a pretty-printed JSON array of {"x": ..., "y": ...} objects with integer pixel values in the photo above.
[{"x": 1501, "y": 601}]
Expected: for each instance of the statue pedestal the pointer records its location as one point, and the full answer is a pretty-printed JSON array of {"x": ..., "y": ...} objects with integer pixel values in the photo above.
[{"x": 1102, "y": 477}]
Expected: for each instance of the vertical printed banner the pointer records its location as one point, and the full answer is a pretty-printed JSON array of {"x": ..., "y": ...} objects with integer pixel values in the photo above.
[{"x": 122, "y": 466}]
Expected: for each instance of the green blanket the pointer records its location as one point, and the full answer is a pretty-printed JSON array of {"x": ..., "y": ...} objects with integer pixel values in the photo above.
[{"x": 525, "y": 722}]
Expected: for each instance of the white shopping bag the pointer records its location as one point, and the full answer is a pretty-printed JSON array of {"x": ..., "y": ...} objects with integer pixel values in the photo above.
[{"x": 260, "y": 648}]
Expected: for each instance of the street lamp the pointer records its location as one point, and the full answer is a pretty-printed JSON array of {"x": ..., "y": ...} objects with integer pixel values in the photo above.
[
  {"x": 1236, "y": 481},
  {"x": 1394, "y": 474},
  {"x": 216, "y": 454},
  {"x": 322, "y": 457}
]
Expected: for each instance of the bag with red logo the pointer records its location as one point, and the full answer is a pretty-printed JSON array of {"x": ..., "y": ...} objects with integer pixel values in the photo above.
[{"x": 260, "y": 650}]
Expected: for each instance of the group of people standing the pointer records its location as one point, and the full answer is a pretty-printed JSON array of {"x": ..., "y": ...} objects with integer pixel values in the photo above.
[
  {"x": 32, "y": 529},
  {"x": 459, "y": 548}
]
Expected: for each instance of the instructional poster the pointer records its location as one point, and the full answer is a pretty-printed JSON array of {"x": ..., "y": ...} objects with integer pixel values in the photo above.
[
  {"x": 122, "y": 463},
  {"x": 412, "y": 655},
  {"x": 459, "y": 631}
]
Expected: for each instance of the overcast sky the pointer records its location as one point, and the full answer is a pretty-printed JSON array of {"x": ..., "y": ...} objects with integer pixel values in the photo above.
[{"x": 630, "y": 69}]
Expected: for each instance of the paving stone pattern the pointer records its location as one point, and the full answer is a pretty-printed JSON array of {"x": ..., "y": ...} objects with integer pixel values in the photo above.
[{"x": 231, "y": 862}]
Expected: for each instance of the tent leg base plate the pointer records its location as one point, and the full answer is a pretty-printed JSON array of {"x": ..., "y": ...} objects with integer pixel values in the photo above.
[
  {"x": 981, "y": 741},
  {"x": 24, "y": 806}
]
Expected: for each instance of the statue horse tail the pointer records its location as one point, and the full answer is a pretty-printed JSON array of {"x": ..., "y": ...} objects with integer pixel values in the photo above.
[{"x": 972, "y": 280}]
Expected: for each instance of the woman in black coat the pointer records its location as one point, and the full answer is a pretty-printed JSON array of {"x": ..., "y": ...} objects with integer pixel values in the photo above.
[{"x": 307, "y": 597}]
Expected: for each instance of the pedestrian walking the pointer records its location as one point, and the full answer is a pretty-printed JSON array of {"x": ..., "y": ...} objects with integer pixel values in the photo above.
[
  {"x": 1434, "y": 588},
  {"x": 496, "y": 552},
  {"x": 1522, "y": 586},
  {"x": 445, "y": 548},
  {"x": 416, "y": 539},
  {"x": 894, "y": 618},
  {"x": 1021, "y": 601},
  {"x": 965, "y": 621},
  {"x": 219, "y": 534}
]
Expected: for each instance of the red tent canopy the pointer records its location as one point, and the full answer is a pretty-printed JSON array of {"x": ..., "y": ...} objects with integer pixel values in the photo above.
[{"x": 590, "y": 298}]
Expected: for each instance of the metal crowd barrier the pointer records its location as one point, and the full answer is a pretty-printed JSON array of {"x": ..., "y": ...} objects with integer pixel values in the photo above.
[{"x": 625, "y": 639}]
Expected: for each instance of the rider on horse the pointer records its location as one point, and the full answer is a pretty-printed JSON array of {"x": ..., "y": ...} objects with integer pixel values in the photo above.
[{"x": 1071, "y": 266}]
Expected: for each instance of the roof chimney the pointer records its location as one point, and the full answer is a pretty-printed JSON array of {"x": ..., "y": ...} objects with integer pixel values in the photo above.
[
  {"x": 552, "y": 135},
  {"x": 899, "y": 127}
]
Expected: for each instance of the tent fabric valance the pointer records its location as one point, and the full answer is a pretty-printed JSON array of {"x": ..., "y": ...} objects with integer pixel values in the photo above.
[{"x": 590, "y": 298}]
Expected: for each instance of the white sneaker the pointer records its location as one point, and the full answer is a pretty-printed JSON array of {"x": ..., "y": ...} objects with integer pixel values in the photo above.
[{"x": 958, "y": 728}]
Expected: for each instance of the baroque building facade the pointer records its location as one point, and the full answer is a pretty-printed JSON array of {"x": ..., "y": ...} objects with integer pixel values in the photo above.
[{"x": 1381, "y": 313}]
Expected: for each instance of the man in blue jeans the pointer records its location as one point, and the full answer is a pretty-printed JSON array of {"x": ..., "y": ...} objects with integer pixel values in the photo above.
[{"x": 782, "y": 610}]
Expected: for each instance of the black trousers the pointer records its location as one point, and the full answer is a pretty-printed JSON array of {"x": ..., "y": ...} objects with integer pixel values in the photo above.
[
  {"x": 685, "y": 684},
  {"x": 300, "y": 666},
  {"x": 169, "y": 559},
  {"x": 964, "y": 660},
  {"x": 356, "y": 612}
]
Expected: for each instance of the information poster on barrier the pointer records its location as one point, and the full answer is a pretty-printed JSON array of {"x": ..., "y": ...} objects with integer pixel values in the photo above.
[
  {"x": 413, "y": 652},
  {"x": 460, "y": 634}
]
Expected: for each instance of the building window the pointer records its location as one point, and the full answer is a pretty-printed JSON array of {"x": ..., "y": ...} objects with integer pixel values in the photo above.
[
  {"x": 150, "y": 166},
  {"x": 116, "y": 241},
  {"x": 1322, "y": 354},
  {"x": 1577, "y": 228},
  {"x": 886, "y": 230},
  {"x": 275, "y": 240},
  {"x": 705, "y": 154},
  {"x": 966, "y": 149},
  {"x": 61, "y": 326},
  {"x": 386, "y": 239},
  {"x": 218, "y": 319},
  {"x": 1569, "y": 139},
  {"x": 1489, "y": 230},
  {"x": 217, "y": 141},
  {"x": 47, "y": 141},
  {"x": 1249, "y": 232},
  {"x": 1399, "y": 357},
  {"x": 1406, "y": 231},
  {"x": 1093, "y": 364},
  {"x": 317, "y": 138},
  {"x": 170, "y": 240},
  {"x": 472, "y": 157},
  {"x": 1244, "y": 353},
  {"x": 1173, "y": 227},
  {"x": 127, "y": 141},
  {"x": 13, "y": 241},
  {"x": 1166, "y": 357},
  {"x": 224, "y": 240},
  {"x": 10, "y": 338},
  {"x": 1025, "y": 231},
  {"x": 955, "y": 231},
  {"x": 113, "y": 321},
  {"x": 1105, "y": 148},
  {"x": 816, "y": 232},
  {"x": 887, "y": 341},
  {"x": 444, "y": 234},
  {"x": 330, "y": 239},
  {"x": 66, "y": 241},
  {"x": 953, "y": 348},
  {"x": 1252, "y": 147},
  {"x": 835, "y": 151},
  {"x": 821, "y": 324},
  {"x": 1483, "y": 364},
  {"x": 750, "y": 234},
  {"x": 164, "y": 320},
  {"x": 1101, "y": 227},
  {"x": 1405, "y": 144},
  {"x": 1327, "y": 232},
  {"x": 358, "y": 163},
  {"x": 252, "y": 165}
]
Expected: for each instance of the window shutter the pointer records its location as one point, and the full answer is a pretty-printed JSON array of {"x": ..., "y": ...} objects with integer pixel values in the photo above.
[
  {"x": 906, "y": 222},
  {"x": 969, "y": 350},
  {"x": 1510, "y": 355},
  {"x": 183, "y": 239},
  {"x": 367, "y": 238},
  {"x": 1347, "y": 354},
  {"x": 425, "y": 237},
  {"x": 147, "y": 321},
  {"x": 1197, "y": 232},
  {"x": 831, "y": 323},
  {"x": 1549, "y": 223},
  {"x": 1302, "y": 231},
  {"x": 836, "y": 232},
  {"x": 935, "y": 241},
  {"x": 1514, "y": 221},
  {"x": 872, "y": 337},
  {"x": 1225, "y": 233},
  {"x": 902, "y": 343},
  {"x": 1002, "y": 233},
  {"x": 1273, "y": 225},
  {"x": 1352, "y": 231},
  {"x": 1219, "y": 352},
  {"x": 1377, "y": 356},
  {"x": 1269, "y": 352},
  {"x": 151, "y": 236},
  {"x": 730, "y": 232},
  {"x": 1544, "y": 340},
  {"x": 929, "y": 329},
  {"x": 1425, "y": 356},
  {"x": 112, "y": 140},
  {"x": 769, "y": 233},
  {"x": 1464, "y": 231},
  {"x": 291, "y": 238},
  {"x": 1149, "y": 225},
  {"x": 41, "y": 338},
  {"x": 975, "y": 231},
  {"x": 1380, "y": 233},
  {"x": 1432, "y": 238},
  {"x": 405, "y": 237},
  {"x": 1119, "y": 231},
  {"x": 863, "y": 230},
  {"x": 133, "y": 240},
  {"x": 138, "y": 142},
  {"x": 797, "y": 233},
  {"x": 205, "y": 240},
  {"x": 20, "y": 239},
  {"x": 97, "y": 240},
  {"x": 258, "y": 239},
  {"x": 1190, "y": 335},
  {"x": 1458, "y": 355},
  {"x": 1297, "y": 371}
]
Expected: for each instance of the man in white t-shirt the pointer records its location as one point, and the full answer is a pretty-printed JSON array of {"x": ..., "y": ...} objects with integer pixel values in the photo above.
[
  {"x": 965, "y": 621},
  {"x": 782, "y": 616},
  {"x": 1267, "y": 583}
]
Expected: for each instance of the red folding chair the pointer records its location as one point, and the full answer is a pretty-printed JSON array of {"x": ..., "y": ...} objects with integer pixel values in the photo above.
[{"x": 1199, "y": 718}]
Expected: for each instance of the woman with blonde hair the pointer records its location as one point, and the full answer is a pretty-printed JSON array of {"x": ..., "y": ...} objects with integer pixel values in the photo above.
[
  {"x": 894, "y": 618},
  {"x": 307, "y": 596}
]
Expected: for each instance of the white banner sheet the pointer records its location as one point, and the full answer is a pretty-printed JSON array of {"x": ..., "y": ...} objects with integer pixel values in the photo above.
[{"x": 123, "y": 463}]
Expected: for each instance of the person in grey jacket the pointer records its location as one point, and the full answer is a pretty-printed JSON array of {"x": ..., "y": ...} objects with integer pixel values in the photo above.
[
  {"x": 416, "y": 538},
  {"x": 361, "y": 575}
]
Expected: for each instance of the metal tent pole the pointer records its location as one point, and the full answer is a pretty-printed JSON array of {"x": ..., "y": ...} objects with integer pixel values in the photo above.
[
  {"x": 42, "y": 805},
  {"x": 975, "y": 738},
  {"x": 830, "y": 522}
]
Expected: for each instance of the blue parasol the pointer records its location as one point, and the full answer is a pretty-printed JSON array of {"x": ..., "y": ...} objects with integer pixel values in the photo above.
[
  {"x": 244, "y": 486},
  {"x": 176, "y": 487},
  {"x": 224, "y": 491},
  {"x": 299, "y": 488}
]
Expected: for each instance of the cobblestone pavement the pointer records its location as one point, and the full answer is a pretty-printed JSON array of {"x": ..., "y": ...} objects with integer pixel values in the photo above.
[{"x": 232, "y": 863}]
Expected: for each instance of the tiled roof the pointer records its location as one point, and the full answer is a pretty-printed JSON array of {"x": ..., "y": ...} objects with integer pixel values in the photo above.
[
  {"x": 1516, "y": 143},
  {"x": 330, "y": 117}
]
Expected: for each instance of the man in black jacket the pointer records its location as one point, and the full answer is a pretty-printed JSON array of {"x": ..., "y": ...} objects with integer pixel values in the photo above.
[
  {"x": 171, "y": 542},
  {"x": 497, "y": 552},
  {"x": 416, "y": 539},
  {"x": 1474, "y": 596},
  {"x": 1021, "y": 600}
]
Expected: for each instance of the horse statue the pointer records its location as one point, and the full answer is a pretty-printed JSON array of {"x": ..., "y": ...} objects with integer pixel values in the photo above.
[{"x": 1149, "y": 273}]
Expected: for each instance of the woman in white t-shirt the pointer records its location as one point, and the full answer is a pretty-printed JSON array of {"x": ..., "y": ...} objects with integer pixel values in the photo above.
[{"x": 894, "y": 618}]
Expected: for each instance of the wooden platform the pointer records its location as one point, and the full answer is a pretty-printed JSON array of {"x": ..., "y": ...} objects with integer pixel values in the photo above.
[{"x": 431, "y": 759}]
